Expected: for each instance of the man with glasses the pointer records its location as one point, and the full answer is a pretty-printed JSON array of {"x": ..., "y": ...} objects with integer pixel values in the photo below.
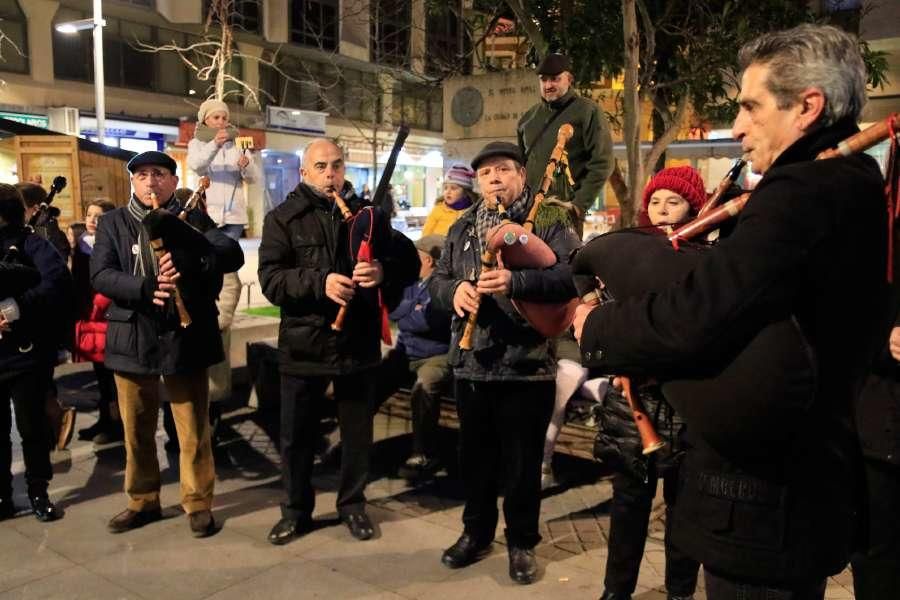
[{"x": 145, "y": 340}]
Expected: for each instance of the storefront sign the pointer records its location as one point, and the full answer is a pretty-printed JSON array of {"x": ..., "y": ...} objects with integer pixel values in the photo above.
[
  {"x": 303, "y": 121},
  {"x": 27, "y": 119}
]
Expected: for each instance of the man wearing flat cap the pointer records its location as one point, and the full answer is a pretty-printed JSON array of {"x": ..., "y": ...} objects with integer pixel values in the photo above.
[
  {"x": 590, "y": 150},
  {"x": 504, "y": 384},
  {"x": 146, "y": 341}
]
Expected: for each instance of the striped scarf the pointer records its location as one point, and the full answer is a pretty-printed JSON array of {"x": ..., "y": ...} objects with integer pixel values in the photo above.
[
  {"x": 489, "y": 216},
  {"x": 145, "y": 255}
]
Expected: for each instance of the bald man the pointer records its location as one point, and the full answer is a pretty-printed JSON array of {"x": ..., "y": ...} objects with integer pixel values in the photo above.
[{"x": 305, "y": 267}]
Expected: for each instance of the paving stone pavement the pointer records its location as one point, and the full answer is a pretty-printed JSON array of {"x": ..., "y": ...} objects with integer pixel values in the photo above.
[{"x": 76, "y": 558}]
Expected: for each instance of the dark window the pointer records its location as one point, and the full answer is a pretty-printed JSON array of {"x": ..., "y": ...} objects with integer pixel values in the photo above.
[
  {"x": 442, "y": 41},
  {"x": 14, "y": 46},
  {"x": 419, "y": 106},
  {"x": 73, "y": 53},
  {"x": 391, "y": 21},
  {"x": 246, "y": 15},
  {"x": 315, "y": 23}
]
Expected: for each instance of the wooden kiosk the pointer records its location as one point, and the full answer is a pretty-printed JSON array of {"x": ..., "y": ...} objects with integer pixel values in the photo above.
[{"x": 91, "y": 170}]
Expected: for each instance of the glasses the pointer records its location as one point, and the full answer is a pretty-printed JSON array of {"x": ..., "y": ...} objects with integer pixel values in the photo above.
[{"x": 147, "y": 175}]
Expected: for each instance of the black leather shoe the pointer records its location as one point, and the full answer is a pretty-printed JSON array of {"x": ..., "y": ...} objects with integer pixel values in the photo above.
[
  {"x": 7, "y": 508},
  {"x": 359, "y": 525},
  {"x": 522, "y": 565},
  {"x": 607, "y": 595},
  {"x": 287, "y": 529},
  {"x": 465, "y": 551},
  {"x": 131, "y": 519},
  {"x": 44, "y": 510}
]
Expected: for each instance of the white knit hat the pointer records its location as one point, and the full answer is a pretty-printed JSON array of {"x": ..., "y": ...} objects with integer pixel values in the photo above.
[{"x": 210, "y": 106}]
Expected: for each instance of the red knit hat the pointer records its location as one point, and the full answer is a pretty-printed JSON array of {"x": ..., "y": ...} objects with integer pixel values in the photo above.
[{"x": 684, "y": 181}]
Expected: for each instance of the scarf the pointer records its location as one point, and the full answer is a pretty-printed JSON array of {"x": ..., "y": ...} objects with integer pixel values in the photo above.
[
  {"x": 464, "y": 202},
  {"x": 488, "y": 214},
  {"x": 145, "y": 255},
  {"x": 86, "y": 243},
  {"x": 206, "y": 134}
]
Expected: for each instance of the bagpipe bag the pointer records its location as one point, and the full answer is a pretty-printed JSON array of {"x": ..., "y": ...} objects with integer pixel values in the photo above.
[{"x": 745, "y": 398}]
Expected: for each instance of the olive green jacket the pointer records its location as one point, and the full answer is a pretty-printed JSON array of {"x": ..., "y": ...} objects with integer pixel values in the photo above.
[{"x": 590, "y": 149}]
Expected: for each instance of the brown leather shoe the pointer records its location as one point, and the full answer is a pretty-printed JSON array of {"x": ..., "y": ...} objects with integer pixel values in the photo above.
[
  {"x": 132, "y": 519},
  {"x": 202, "y": 523}
]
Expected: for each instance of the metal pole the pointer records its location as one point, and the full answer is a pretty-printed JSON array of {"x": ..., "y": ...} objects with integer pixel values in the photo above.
[{"x": 98, "y": 71}]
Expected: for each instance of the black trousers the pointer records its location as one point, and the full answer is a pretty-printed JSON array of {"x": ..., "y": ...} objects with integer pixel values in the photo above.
[
  {"x": 301, "y": 407},
  {"x": 876, "y": 572},
  {"x": 722, "y": 587},
  {"x": 629, "y": 517},
  {"x": 501, "y": 444},
  {"x": 28, "y": 392}
]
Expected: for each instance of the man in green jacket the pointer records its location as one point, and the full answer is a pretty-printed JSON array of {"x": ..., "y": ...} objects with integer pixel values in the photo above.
[{"x": 590, "y": 150}]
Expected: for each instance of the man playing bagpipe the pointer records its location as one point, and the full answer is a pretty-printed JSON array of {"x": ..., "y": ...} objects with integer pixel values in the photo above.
[
  {"x": 504, "y": 384},
  {"x": 761, "y": 341},
  {"x": 333, "y": 318},
  {"x": 147, "y": 337}
]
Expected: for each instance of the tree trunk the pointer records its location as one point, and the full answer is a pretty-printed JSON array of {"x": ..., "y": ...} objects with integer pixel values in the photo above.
[
  {"x": 523, "y": 16},
  {"x": 632, "y": 109}
]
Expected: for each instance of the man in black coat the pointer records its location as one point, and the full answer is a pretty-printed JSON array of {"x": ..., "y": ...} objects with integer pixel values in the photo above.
[
  {"x": 145, "y": 340},
  {"x": 757, "y": 346},
  {"x": 30, "y": 333},
  {"x": 306, "y": 268},
  {"x": 504, "y": 384}
]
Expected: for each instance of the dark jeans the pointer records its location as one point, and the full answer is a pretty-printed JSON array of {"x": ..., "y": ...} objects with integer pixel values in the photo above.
[
  {"x": 501, "y": 444},
  {"x": 720, "y": 587},
  {"x": 876, "y": 573},
  {"x": 28, "y": 392},
  {"x": 629, "y": 517},
  {"x": 430, "y": 378},
  {"x": 301, "y": 408}
]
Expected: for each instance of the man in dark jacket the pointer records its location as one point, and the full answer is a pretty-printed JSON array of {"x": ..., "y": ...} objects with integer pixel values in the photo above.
[
  {"x": 29, "y": 337},
  {"x": 875, "y": 572},
  {"x": 144, "y": 340},
  {"x": 504, "y": 384},
  {"x": 753, "y": 347},
  {"x": 590, "y": 150},
  {"x": 420, "y": 355},
  {"x": 305, "y": 267}
]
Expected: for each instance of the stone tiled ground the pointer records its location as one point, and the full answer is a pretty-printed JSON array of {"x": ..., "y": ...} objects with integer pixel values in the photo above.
[{"x": 75, "y": 558}]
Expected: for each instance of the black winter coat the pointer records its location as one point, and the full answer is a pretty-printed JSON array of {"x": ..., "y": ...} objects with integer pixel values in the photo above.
[
  {"x": 141, "y": 338},
  {"x": 304, "y": 239},
  {"x": 505, "y": 346},
  {"x": 46, "y": 313},
  {"x": 769, "y": 333},
  {"x": 878, "y": 405}
]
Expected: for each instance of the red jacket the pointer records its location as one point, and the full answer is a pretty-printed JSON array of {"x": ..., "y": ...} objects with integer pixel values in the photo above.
[{"x": 90, "y": 333}]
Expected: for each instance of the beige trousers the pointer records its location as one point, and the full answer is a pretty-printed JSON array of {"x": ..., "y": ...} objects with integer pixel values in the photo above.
[{"x": 139, "y": 406}]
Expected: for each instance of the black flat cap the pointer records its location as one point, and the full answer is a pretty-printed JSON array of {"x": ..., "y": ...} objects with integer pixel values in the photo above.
[
  {"x": 493, "y": 149},
  {"x": 159, "y": 159},
  {"x": 554, "y": 64}
]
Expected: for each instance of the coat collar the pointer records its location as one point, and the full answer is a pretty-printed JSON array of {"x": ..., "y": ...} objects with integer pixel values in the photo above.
[
  {"x": 303, "y": 199},
  {"x": 809, "y": 146},
  {"x": 559, "y": 102}
]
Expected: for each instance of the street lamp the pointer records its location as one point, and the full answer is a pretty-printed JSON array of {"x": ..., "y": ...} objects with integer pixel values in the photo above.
[{"x": 97, "y": 24}]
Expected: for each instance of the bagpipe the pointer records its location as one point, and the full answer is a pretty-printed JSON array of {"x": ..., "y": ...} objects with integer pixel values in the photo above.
[
  {"x": 169, "y": 232},
  {"x": 514, "y": 246},
  {"x": 762, "y": 372},
  {"x": 369, "y": 231}
]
